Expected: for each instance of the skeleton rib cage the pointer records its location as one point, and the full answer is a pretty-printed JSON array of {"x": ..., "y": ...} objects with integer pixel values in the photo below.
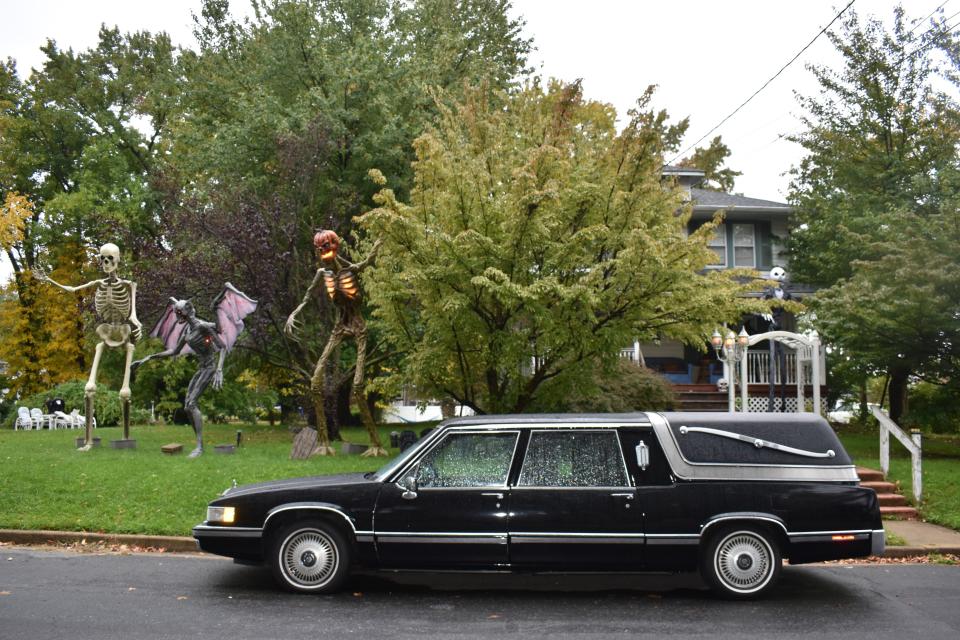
[{"x": 113, "y": 301}]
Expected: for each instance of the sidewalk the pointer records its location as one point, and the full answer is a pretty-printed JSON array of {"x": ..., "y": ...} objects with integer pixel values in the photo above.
[{"x": 922, "y": 538}]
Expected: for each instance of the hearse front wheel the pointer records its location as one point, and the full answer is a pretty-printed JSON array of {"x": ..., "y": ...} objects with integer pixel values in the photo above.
[
  {"x": 741, "y": 562},
  {"x": 309, "y": 556}
]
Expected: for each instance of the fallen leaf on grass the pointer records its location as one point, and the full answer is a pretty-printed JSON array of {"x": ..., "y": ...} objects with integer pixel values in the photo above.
[
  {"x": 4, "y": 593},
  {"x": 493, "y": 616},
  {"x": 182, "y": 598},
  {"x": 132, "y": 589}
]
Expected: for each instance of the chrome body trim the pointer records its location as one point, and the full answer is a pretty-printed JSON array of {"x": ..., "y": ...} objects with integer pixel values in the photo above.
[
  {"x": 213, "y": 531},
  {"x": 727, "y": 517},
  {"x": 307, "y": 506},
  {"x": 759, "y": 443},
  {"x": 437, "y": 537},
  {"x": 878, "y": 542},
  {"x": 687, "y": 470}
]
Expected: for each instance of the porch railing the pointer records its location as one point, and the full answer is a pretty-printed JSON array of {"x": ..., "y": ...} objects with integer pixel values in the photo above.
[
  {"x": 758, "y": 368},
  {"x": 913, "y": 444}
]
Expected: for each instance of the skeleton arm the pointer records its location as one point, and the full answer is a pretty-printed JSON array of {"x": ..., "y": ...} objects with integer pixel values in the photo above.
[
  {"x": 137, "y": 326},
  {"x": 290, "y": 325},
  {"x": 363, "y": 264},
  {"x": 42, "y": 276},
  {"x": 181, "y": 343}
]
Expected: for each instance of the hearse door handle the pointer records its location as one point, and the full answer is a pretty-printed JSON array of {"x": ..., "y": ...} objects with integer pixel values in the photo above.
[
  {"x": 498, "y": 496},
  {"x": 628, "y": 496}
]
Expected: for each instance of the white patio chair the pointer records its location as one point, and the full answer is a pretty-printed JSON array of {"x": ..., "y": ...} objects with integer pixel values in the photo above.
[
  {"x": 24, "y": 421},
  {"x": 61, "y": 420},
  {"x": 40, "y": 420}
]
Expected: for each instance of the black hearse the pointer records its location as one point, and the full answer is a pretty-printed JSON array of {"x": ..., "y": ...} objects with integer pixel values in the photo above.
[{"x": 728, "y": 494}]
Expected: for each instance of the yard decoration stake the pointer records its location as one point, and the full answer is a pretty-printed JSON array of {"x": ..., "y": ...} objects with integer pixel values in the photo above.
[
  {"x": 115, "y": 301},
  {"x": 341, "y": 283},
  {"x": 182, "y": 332}
]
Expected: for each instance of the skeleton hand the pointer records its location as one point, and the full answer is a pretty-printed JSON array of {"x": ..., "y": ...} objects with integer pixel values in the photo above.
[
  {"x": 768, "y": 317},
  {"x": 218, "y": 380},
  {"x": 137, "y": 329},
  {"x": 40, "y": 273},
  {"x": 291, "y": 326}
]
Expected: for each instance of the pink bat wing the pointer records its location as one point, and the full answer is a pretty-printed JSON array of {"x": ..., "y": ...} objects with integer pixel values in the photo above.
[
  {"x": 169, "y": 330},
  {"x": 231, "y": 307}
]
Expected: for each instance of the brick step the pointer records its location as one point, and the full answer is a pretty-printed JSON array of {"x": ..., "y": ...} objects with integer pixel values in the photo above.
[
  {"x": 899, "y": 513},
  {"x": 880, "y": 487},
  {"x": 702, "y": 405},
  {"x": 702, "y": 395},
  {"x": 869, "y": 475},
  {"x": 695, "y": 387},
  {"x": 891, "y": 500}
]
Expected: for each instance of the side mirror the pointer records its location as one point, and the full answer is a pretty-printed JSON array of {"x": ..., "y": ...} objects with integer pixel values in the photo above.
[
  {"x": 643, "y": 455},
  {"x": 408, "y": 484}
]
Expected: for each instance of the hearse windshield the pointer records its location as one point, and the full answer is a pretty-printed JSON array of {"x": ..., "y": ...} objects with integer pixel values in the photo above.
[{"x": 384, "y": 472}]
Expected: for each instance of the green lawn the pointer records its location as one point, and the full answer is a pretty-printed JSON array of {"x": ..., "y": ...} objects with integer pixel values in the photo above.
[
  {"x": 46, "y": 484},
  {"x": 941, "y": 470}
]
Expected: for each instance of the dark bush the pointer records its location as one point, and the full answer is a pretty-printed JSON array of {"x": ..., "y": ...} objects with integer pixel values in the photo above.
[{"x": 626, "y": 387}]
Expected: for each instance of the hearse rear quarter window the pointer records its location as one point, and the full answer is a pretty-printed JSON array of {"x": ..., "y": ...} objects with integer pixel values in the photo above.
[
  {"x": 573, "y": 458},
  {"x": 468, "y": 460}
]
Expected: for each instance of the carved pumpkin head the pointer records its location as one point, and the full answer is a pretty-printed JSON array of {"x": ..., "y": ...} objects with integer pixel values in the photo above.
[{"x": 327, "y": 244}]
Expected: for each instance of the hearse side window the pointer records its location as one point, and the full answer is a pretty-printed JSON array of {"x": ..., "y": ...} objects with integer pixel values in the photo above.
[
  {"x": 573, "y": 458},
  {"x": 468, "y": 460}
]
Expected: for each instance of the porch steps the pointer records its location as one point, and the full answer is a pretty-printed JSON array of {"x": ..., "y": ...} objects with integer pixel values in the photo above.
[
  {"x": 699, "y": 397},
  {"x": 893, "y": 505}
]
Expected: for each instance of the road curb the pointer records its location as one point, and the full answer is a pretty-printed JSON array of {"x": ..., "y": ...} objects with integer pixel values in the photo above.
[
  {"x": 186, "y": 544},
  {"x": 41, "y": 537},
  {"x": 910, "y": 552}
]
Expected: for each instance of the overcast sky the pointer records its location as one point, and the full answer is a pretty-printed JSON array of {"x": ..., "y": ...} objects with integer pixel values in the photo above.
[{"x": 706, "y": 57}]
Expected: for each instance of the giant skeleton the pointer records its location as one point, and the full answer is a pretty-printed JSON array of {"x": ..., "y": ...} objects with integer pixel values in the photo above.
[
  {"x": 115, "y": 301},
  {"x": 774, "y": 322},
  {"x": 182, "y": 332},
  {"x": 340, "y": 281}
]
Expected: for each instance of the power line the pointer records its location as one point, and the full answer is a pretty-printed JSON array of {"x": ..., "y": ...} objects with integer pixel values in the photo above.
[
  {"x": 782, "y": 69},
  {"x": 924, "y": 19}
]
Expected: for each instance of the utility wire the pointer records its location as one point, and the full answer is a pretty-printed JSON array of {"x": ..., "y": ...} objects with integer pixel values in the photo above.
[
  {"x": 765, "y": 84},
  {"x": 925, "y": 18}
]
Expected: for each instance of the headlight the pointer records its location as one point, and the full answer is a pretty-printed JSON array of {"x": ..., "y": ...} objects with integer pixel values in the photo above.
[{"x": 224, "y": 515}]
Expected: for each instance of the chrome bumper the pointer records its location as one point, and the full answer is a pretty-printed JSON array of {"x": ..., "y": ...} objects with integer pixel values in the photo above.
[{"x": 878, "y": 542}]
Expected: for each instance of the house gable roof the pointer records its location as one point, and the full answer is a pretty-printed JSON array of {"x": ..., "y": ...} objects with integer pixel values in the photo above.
[{"x": 708, "y": 201}]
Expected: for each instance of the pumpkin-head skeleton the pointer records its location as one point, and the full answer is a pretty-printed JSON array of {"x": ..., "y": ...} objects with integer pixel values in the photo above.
[{"x": 327, "y": 244}]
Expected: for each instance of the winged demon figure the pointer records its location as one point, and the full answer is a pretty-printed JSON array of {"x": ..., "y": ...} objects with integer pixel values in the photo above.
[
  {"x": 340, "y": 280},
  {"x": 183, "y": 332}
]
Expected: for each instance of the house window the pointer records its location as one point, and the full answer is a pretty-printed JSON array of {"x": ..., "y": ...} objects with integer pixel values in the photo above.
[
  {"x": 718, "y": 244},
  {"x": 744, "y": 246}
]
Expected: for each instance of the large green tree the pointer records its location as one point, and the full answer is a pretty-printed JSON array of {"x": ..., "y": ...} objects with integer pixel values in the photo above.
[
  {"x": 878, "y": 177},
  {"x": 537, "y": 242},
  {"x": 283, "y": 116}
]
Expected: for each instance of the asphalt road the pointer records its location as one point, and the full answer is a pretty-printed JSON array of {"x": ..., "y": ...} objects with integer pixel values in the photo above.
[{"x": 52, "y": 594}]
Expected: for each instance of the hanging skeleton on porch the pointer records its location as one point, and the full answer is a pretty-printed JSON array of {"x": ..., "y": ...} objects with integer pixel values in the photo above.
[
  {"x": 340, "y": 280},
  {"x": 775, "y": 320},
  {"x": 182, "y": 332},
  {"x": 115, "y": 301}
]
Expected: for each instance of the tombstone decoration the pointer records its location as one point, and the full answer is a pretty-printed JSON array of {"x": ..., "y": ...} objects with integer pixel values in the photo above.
[
  {"x": 115, "y": 302},
  {"x": 182, "y": 332},
  {"x": 774, "y": 321},
  {"x": 341, "y": 283}
]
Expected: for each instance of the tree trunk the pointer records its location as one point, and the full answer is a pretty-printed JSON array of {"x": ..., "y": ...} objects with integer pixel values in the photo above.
[
  {"x": 864, "y": 410},
  {"x": 898, "y": 392}
]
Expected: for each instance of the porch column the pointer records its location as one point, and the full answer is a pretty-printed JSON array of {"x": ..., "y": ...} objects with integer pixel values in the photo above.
[
  {"x": 744, "y": 382},
  {"x": 815, "y": 374}
]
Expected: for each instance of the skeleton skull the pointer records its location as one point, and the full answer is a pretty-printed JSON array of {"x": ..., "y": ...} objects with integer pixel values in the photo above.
[
  {"x": 327, "y": 244},
  {"x": 778, "y": 273},
  {"x": 109, "y": 258},
  {"x": 722, "y": 384}
]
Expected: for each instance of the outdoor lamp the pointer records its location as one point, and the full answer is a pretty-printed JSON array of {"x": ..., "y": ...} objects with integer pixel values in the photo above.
[
  {"x": 743, "y": 339},
  {"x": 716, "y": 340}
]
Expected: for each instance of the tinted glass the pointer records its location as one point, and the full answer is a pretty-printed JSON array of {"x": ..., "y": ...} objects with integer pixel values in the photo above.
[
  {"x": 468, "y": 460},
  {"x": 573, "y": 459}
]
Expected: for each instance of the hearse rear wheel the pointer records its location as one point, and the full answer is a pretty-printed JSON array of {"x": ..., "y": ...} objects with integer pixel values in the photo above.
[
  {"x": 309, "y": 556},
  {"x": 741, "y": 562}
]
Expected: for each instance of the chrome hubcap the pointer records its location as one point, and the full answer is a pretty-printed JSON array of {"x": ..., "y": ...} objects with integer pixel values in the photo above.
[
  {"x": 309, "y": 558},
  {"x": 744, "y": 561}
]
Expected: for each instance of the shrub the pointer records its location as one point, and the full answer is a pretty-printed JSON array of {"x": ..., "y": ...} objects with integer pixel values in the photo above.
[
  {"x": 626, "y": 387},
  {"x": 106, "y": 402},
  {"x": 932, "y": 407}
]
